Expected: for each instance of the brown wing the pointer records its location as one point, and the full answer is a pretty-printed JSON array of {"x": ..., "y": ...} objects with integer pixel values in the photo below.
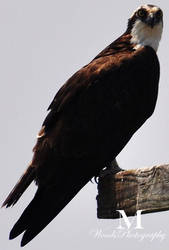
[
  {"x": 76, "y": 86},
  {"x": 92, "y": 108}
]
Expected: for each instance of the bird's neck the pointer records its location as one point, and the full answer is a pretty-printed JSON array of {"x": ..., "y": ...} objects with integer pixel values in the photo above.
[{"x": 143, "y": 35}]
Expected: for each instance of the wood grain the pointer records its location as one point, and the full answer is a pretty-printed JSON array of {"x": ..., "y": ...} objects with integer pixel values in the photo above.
[{"x": 145, "y": 189}]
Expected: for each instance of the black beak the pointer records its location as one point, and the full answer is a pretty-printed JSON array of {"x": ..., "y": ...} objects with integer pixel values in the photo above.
[{"x": 151, "y": 21}]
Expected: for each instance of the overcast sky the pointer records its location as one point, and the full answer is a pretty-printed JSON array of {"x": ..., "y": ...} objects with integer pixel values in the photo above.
[{"x": 42, "y": 43}]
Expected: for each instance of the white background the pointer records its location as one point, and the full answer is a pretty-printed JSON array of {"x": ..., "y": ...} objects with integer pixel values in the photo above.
[{"x": 42, "y": 43}]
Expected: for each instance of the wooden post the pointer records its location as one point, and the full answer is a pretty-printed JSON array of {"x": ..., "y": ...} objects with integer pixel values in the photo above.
[{"x": 145, "y": 189}]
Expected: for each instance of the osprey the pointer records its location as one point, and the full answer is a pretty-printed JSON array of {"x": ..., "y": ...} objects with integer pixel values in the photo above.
[{"x": 90, "y": 120}]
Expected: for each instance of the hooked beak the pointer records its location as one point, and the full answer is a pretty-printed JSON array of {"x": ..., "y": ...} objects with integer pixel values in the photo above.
[{"x": 151, "y": 21}]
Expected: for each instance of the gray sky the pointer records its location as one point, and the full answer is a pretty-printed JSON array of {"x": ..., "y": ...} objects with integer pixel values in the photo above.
[{"x": 42, "y": 43}]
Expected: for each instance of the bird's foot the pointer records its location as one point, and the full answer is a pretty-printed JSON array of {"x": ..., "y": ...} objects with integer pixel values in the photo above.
[{"x": 111, "y": 168}]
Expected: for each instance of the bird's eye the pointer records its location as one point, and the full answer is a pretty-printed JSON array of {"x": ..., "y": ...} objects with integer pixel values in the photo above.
[
  {"x": 159, "y": 14},
  {"x": 141, "y": 13}
]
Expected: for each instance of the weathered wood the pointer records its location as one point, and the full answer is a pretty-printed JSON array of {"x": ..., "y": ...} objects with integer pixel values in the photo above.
[{"x": 145, "y": 189}]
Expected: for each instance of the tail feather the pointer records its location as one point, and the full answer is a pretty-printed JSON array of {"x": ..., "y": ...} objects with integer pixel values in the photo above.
[
  {"x": 46, "y": 204},
  {"x": 28, "y": 213},
  {"x": 20, "y": 187}
]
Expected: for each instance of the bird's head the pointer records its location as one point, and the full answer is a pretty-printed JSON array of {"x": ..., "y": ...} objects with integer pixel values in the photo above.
[{"x": 145, "y": 26}]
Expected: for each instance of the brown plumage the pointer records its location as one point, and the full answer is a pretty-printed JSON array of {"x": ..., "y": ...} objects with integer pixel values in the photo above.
[{"x": 90, "y": 120}]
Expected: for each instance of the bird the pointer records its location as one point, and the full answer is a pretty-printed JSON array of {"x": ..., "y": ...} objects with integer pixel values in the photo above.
[{"x": 90, "y": 120}]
